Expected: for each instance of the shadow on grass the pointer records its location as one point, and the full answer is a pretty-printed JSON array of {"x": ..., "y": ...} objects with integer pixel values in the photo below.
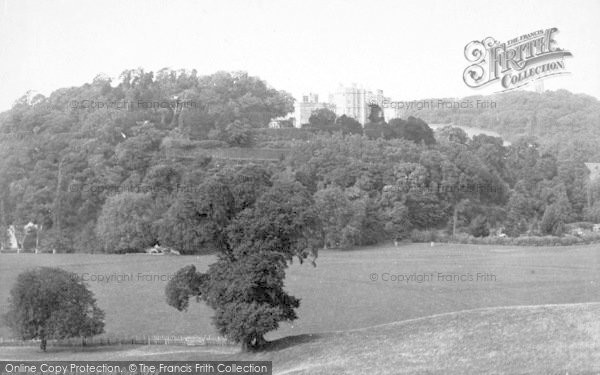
[
  {"x": 387, "y": 245},
  {"x": 86, "y": 349},
  {"x": 290, "y": 341}
]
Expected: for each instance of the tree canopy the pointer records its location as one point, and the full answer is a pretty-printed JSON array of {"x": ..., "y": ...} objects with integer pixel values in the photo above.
[{"x": 50, "y": 303}]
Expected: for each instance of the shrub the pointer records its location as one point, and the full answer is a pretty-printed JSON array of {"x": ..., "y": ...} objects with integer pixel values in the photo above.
[
  {"x": 428, "y": 236},
  {"x": 239, "y": 134},
  {"x": 263, "y": 135},
  {"x": 586, "y": 225},
  {"x": 52, "y": 241},
  {"x": 593, "y": 213},
  {"x": 553, "y": 221},
  {"x": 210, "y": 143},
  {"x": 479, "y": 227}
]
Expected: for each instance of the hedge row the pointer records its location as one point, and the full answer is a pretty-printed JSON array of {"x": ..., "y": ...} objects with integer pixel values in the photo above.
[{"x": 438, "y": 236}]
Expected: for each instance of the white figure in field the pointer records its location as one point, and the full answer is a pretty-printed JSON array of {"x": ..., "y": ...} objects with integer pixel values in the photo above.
[{"x": 12, "y": 238}]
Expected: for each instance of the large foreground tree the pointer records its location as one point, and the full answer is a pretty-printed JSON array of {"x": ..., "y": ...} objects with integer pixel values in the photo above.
[{"x": 245, "y": 286}]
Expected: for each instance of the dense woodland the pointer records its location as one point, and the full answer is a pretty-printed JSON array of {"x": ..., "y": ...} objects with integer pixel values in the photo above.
[
  {"x": 547, "y": 116},
  {"x": 123, "y": 179}
]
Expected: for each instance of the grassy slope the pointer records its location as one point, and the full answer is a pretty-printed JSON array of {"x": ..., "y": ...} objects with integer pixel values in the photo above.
[
  {"x": 513, "y": 340},
  {"x": 538, "y": 339}
]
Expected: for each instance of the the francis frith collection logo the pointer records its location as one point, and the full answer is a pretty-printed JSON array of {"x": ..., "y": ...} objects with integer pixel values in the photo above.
[{"x": 515, "y": 63}]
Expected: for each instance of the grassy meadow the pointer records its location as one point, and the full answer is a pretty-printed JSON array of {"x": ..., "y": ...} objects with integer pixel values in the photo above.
[
  {"x": 338, "y": 294},
  {"x": 341, "y": 299}
]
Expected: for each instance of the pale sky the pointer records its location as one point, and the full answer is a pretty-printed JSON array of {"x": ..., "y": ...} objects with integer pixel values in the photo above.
[{"x": 411, "y": 50}]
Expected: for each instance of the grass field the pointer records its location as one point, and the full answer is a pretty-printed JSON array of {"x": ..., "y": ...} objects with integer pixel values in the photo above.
[
  {"x": 340, "y": 294},
  {"x": 547, "y": 339}
]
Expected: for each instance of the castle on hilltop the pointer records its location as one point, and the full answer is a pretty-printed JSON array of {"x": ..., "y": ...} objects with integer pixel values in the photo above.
[{"x": 353, "y": 101}]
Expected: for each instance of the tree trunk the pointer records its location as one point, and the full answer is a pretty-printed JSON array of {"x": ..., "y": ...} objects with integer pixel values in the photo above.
[
  {"x": 454, "y": 220},
  {"x": 253, "y": 343},
  {"x": 37, "y": 238},
  {"x": 260, "y": 342},
  {"x": 57, "y": 206},
  {"x": 246, "y": 345},
  {"x": 43, "y": 344}
]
